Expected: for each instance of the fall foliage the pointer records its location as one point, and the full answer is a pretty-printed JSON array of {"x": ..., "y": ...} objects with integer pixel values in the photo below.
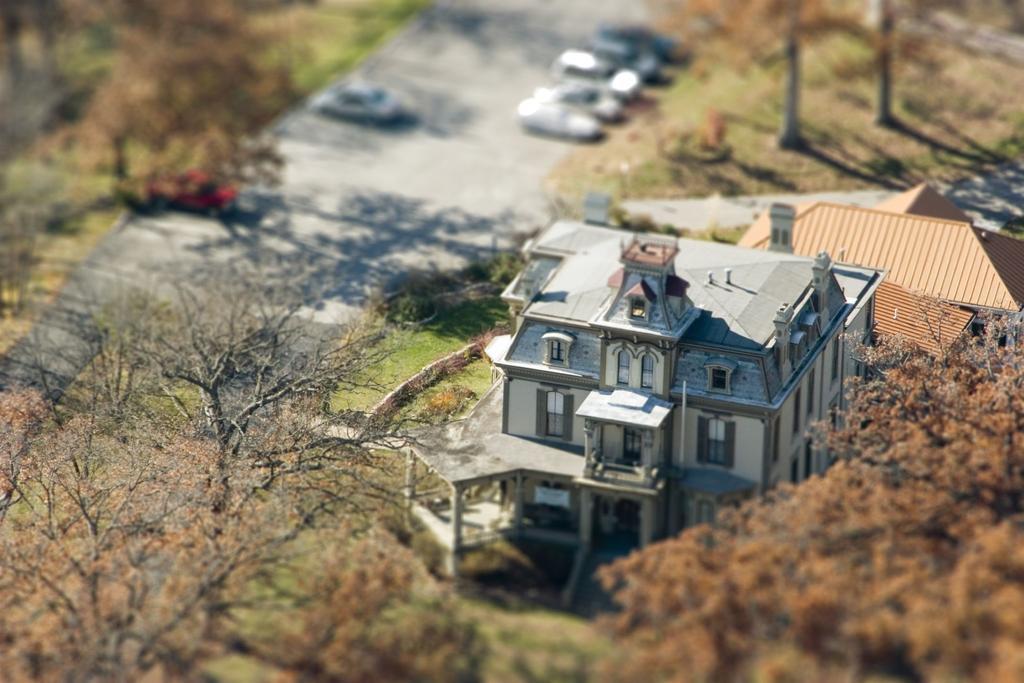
[
  {"x": 190, "y": 86},
  {"x": 192, "y": 485},
  {"x": 906, "y": 559}
]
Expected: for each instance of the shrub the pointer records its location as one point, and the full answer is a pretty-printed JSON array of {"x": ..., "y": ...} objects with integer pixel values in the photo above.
[
  {"x": 411, "y": 307},
  {"x": 499, "y": 270},
  {"x": 448, "y": 402},
  {"x": 713, "y": 130}
]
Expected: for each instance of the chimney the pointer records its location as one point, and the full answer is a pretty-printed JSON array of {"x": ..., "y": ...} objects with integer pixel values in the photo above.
[
  {"x": 821, "y": 269},
  {"x": 596, "y": 207},
  {"x": 781, "y": 217},
  {"x": 782, "y": 320}
]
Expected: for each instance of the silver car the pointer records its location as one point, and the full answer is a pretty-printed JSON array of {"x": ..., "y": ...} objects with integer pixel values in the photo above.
[
  {"x": 546, "y": 118},
  {"x": 586, "y": 67},
  {"x": 592, "y": 99},
  {"x": 359, "y": 102}
]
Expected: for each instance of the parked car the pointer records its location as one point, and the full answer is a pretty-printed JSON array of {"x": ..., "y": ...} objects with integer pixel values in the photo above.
[
  {"x": 193, "y": 190},
  {"x": 360, "y": 102},
  {"x": 546, "y": 118},
  {"x": 639, "y": 39},
  {"x": 586, "y": 67},
  {"x": 586, "y": 97},
  {"x": 623, "y": 55}
]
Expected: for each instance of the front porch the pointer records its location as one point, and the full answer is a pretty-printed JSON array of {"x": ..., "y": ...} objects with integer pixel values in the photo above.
[{"x": 470, "y": 484}]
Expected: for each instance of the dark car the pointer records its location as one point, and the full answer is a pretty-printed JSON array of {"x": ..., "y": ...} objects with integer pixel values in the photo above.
[
  {"x": 637, "y": 39},
  {"x": 193, "y": 190}
]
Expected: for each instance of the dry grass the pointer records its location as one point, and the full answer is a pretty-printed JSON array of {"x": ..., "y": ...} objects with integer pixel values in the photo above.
[{"x": 956, "y": 120}]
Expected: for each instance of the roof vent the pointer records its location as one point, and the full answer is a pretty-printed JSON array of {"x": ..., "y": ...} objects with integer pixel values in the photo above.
[
  {"x": 711, "y": 277},
  {"x": 728, "y": 276},
  {"x": 596, "y": 207}
]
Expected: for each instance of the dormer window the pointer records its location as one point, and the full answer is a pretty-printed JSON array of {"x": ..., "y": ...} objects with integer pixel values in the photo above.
[
  {"x": 556, "y": 348},
  {"x": 720, "y": 375},
  {"x": 557, "y": 352},
  {"x": 637, "y": 308}
]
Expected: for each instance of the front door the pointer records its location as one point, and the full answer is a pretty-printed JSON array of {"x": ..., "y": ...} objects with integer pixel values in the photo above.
[{"x": 616, "y": 524}]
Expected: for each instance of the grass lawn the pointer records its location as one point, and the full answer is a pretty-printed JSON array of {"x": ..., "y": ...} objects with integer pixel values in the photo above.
[
  {"x": 955, "y": 121},
  {"x": 529, "y": 643},
  {"x": 332, "y": 36},
  {"x": 409, "y": 349},
  {"x": 475, "y": 377}
]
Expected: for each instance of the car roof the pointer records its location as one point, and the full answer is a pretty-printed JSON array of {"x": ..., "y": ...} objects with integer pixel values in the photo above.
[
  {"x": 360, "y": 87},
  {"x": 582, "y": 59}
]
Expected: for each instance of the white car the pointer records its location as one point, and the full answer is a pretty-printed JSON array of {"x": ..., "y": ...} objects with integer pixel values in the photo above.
[
  {"x": 582, "y": 66},
  {"x": 359, "y": 102},
  {"x": 546, "y": 118},
  {"x": 592, "y": 99}
]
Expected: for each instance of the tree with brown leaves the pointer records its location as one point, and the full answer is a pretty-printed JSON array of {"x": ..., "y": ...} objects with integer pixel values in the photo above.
[
  {"x": 755, "y": 29},
  {"x": 191, "y": 85},
  {"x": 906, "y": 559}
]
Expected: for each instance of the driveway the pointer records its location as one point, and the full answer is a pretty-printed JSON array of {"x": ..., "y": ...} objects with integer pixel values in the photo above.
[{"x": 359, "y": 206}]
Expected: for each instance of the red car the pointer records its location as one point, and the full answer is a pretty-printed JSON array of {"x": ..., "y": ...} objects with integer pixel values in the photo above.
[{"x": 193, "y": 191}]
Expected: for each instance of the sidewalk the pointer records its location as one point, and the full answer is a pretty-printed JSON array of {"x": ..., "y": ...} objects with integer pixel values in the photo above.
[{"x": 734, "y": 212}]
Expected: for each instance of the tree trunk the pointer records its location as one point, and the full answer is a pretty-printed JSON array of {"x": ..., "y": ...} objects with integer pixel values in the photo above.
[
  {"x": 10, "y": 21},
  {"x": 120, "y": 159},
  {"x": 883, "y": 116},
  {"x": 789, "y": 136}
]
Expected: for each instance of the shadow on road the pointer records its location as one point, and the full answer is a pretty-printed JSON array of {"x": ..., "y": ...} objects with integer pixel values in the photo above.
[{"x": 364, "y": 242}]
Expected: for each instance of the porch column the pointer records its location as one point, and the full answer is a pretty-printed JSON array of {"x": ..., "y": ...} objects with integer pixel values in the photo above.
[
  {"x": 586, "y": 517},
  {"x": 588, "y": 447},
  {"x": 518, "y": 512},
  {"x": 453, "y": 560},
  {"x": 648, "y": 510},
  {"x": 647, "y": 454}
]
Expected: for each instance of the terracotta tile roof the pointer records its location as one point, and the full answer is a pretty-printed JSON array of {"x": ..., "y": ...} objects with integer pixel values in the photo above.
[
  {"x": 1007, "y": 255},
  {"x": 949, "y": 260},
  {"x": 945, "y": 259},
  {"x": 922, "y": 200},
  {"x": 928, "y": 322}
]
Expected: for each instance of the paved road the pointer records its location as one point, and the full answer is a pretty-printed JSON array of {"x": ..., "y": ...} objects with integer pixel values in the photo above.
[{"x": 359, "y": 205}]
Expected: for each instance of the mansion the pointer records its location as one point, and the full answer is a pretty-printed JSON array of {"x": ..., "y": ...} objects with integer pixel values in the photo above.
[{"x": 649, "y": 382}]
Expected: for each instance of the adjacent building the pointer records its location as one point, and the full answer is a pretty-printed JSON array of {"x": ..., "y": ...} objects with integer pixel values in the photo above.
[
  {"x": 942, "y": 272},
  {"x": 649, "y": 382}
]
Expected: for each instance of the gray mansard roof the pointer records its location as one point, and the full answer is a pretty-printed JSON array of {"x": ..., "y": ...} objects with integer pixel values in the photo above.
[
  {"x": 584, "y": 353},
  {"x": 738, "y": 315}
]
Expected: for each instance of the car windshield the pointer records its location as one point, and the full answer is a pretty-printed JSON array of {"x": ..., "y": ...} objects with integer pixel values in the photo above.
[
  {"x": 584, "y": 96},
  {"x": 364, "y": 95}
]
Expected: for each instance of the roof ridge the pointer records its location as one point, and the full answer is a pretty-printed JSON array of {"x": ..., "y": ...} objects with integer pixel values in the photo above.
[{"x": 863, "y": 209}]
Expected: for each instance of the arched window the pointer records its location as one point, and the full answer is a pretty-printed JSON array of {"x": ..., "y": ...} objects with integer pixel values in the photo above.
[
  {"x": 623, "y": 374},
  {"x": 647, "y": 371}
]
